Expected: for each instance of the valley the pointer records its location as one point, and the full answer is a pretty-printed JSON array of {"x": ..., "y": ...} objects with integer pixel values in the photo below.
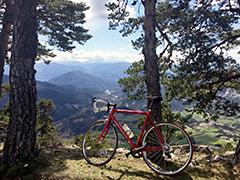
[{"x": 72, "y": 89}]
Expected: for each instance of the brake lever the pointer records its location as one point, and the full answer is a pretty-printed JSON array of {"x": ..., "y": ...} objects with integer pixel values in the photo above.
[
  {"x": 94, "y": 100},
  {"x": 108, "y": 107}
]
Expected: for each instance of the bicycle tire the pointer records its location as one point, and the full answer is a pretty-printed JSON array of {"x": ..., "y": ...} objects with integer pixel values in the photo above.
[
  {"x": 175, "y": 155},
  {"x": 99, "y": 153}
]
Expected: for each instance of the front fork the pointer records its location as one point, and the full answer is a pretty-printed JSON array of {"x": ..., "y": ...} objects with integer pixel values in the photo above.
[{"x": 106, "y": 127}]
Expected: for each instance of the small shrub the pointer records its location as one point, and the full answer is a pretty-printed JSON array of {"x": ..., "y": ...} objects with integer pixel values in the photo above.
[
  {"x": 226, "y": 147},
  {"x": 78, "y": 140}
]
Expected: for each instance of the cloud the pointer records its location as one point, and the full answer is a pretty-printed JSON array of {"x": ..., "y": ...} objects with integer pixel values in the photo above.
[
  {"x": 98, "y": 11},
  {"x": 96, "y": 56},
  {"x": 114, "y": 56},
  {"x": 235, "y": 53}
]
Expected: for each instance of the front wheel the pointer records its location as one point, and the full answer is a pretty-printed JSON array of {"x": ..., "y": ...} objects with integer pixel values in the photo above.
[
  {"x": 170, "y": 154},
  {"x": 99, "y": 150}
]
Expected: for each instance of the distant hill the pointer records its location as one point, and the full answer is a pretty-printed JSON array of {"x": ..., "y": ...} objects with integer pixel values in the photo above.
[
  {"x": 82, "y": 80},
  {"x": 109, "y": 71},
  {"x": 46, "y": 72},
  {"x": 67, "y": 101},
  {"x": 5, "y": 79}
]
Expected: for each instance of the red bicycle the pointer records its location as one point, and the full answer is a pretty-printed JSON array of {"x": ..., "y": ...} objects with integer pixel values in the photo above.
[{"x": 166, "y": 147}]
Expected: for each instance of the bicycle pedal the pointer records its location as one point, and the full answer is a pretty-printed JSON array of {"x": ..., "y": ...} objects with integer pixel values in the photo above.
[
  {"x": 168, "y": 155},
  {"x": 127, "y": 154}
]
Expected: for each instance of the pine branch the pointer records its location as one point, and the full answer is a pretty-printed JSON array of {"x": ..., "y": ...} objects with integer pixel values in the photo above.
[
  {"x": 168, "y": 41},
  {"x": 226, "y": 40},
  {"x": 235, "y": 76}
]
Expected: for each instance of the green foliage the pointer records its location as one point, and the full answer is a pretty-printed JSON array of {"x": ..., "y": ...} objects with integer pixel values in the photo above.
[
  {"x": 4, "y": 120},
  {"x": 226, "y": 147},
  {"x": 134, "y": 84},
  {"x": 167, "y": 116},
  {"x": 61, "y": 21},
  {"x": 91, "y": 141},
  {"x": 4, "y": 113},
  {"x": 43, "y": 53},
  {"x": 117, "y": 13},
  {"x": 78, "y": 140},
  {"x": 203, "y": 34},
  {"x": 46, "y": 131},
  {"x": 5, "y": 89}
]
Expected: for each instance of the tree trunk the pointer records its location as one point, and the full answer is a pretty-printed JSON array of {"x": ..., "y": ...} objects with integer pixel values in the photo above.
[
  {"x": 236, "y": 157},
  {"x": 5, "y": 32},
  {"x": 21, "y": 137},
  {"x": 151, "y": 59}
]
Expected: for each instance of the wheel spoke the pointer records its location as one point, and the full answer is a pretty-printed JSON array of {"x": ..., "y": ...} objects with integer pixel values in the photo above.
[
  {"x": 98, "y": 150},
  {"x": 174, "y": 156}
]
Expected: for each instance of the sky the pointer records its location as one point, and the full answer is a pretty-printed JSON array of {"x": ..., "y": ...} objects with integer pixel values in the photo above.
[{"x": 106, "y": 45}]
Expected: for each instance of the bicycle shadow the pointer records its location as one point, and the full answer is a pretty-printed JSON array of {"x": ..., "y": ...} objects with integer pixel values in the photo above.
[{"x": 147, "y": 175}]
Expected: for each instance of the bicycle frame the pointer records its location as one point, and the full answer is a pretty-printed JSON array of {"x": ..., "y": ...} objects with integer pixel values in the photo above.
[{"x": 130, "y": 142}]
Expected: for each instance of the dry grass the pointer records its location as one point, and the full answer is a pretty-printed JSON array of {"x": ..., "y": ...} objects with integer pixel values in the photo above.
[{"x": 68, "y": 164}]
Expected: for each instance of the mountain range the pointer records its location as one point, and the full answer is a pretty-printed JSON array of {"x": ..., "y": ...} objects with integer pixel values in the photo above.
[
  {"x": 107, "y": 71},
  {"x": 72, "y": 86}
]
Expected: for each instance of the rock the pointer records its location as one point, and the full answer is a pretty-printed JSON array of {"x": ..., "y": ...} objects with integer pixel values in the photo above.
[
  {"x": 122, "y": 150},
  {"x": 216, "y": 158},
  {"x": 203, "y": 149},
  {"x": 72, "y": 146},
  {"x": 229, "y": 153},
  {"x": 102, "y": 152},
  {"x": 194, "y": 163}
]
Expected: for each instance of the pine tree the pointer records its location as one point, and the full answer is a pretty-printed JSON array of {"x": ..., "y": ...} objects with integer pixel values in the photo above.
[
  {"x": 21, "y": 136},
  {"x": 46, "y": 131}
]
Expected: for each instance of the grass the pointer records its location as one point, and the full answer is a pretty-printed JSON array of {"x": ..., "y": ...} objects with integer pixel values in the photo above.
[
  {"x": 210, "y": 139},
  {"x": 68, "y": 164},
  {"x": 227, "y": 120},
  {"x": 209, "y": 129},
  {"x": 222, "y": 131}
]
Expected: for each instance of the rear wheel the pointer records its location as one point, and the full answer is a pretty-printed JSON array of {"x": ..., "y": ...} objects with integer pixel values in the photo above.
[
  {"x": 174, "y": 155},
  {"x": 99, "y": 152}
]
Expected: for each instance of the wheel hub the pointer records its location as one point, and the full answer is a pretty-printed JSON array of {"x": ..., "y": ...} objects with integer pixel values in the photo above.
[{"x": 166, "y": 148}]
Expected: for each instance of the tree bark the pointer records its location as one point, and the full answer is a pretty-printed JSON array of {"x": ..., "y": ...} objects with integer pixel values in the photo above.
[
  {"x": 151, "y": 58},
  {"x": 4, "y": 36},
  {"x": 236, "y": 157},
  {"x": 21, "y": 137}
]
